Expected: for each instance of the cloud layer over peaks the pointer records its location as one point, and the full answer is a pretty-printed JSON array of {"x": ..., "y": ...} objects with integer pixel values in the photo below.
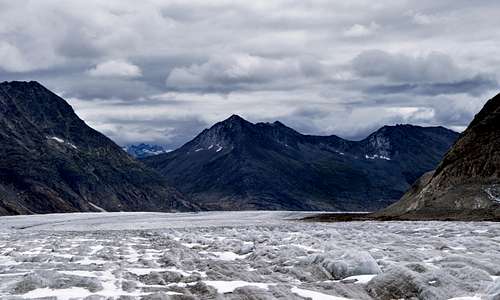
[{"x": 161, "y": 71}]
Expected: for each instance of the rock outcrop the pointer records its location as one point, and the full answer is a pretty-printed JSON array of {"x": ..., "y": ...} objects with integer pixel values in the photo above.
[{"x": 466, "y": 184}]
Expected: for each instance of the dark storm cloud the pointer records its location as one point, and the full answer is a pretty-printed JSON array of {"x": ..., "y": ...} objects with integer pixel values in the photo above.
[
  {"x": 226, "y": 73},
  {"x": 106, "y": 88},
  {"x": 433, "y": 67},
  {"x": 162, "y": 71},
  {"x": 474, "y": 86},
  {"x": 433, "y": 74}
]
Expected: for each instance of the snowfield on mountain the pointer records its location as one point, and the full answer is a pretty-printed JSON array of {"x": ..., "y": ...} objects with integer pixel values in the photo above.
[{"x": 244, "y": 255}]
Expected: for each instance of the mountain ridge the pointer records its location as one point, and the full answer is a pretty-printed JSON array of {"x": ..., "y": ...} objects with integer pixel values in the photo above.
[
  {"x": 241, "y": 162},
  {"x": 466, "y": 183},
  {"x": 51, "y": 161}
]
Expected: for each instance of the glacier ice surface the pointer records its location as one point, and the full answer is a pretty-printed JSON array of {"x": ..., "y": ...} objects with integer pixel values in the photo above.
[{"x": 244, "y": 255}]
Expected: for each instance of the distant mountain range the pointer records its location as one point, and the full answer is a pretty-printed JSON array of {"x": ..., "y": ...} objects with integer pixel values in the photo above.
[
  {"x": 466, "y": 184},
  {"x": 51, "y": 161},
  {"x": 144, "y": 150},
  {"x": 238, "y": 165}
]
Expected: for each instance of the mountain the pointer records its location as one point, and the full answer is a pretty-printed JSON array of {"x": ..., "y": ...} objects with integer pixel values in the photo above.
[
  {"x": 51, "y": 161},
  {"x": 144, "y": 150},
  {"x": 240, "y": 165},
  {"x": 466, "y": 184}
]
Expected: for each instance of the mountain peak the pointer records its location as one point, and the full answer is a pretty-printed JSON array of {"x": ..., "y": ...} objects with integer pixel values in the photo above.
[
  {"x": 234, "y": 123},
  {"x": 278, "y": 123},
  {"x": 21, "y": 84},
  {"x": 272, "y": 166},
  {"x": 235, "y": 119},
  {"x": 490, "y": 112},
  {"x": 399, "y": 129}
]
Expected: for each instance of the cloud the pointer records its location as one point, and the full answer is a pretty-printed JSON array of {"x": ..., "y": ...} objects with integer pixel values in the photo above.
[
  {"x": 424, "y": 19},
  {"x": 164, "y": 70},
  {"x": 358, "y": 30},
  {"x": 431, "y": 74},
  {"x": 474, "y": 86},
  {"x": 404, "y": 68},
  {"x": 240, "y": 71},
  {"x": 115, "y": 68},
  {"x": 12, "y": 59}
]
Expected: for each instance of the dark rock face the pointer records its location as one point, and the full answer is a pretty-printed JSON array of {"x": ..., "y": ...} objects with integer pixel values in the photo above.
[
  {"x": 144, "y": 150},
  {"x": 51, "y": 161},
  {"x": 239, "y": 165},
  {"x": 466, "y": 184}
]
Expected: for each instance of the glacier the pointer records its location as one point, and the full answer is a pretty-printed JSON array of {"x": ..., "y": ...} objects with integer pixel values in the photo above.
[{"x": 244, "y": 255}]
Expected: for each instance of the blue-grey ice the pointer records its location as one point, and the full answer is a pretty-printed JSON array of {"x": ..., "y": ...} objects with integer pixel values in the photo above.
[{"x": 244, "y": 255}]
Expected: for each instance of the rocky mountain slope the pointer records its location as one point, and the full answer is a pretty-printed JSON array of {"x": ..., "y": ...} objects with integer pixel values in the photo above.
[
  {"x": 51, "y": 161},
  {"x": 240, "y": 165},
  {"x": 466, "y": 184}
]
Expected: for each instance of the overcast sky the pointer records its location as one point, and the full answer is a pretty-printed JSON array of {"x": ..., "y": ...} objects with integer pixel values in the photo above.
[{"x": 161, "y": 71}]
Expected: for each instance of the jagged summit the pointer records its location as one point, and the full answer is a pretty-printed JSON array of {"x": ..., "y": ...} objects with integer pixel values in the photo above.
[
  {"x": 402, "y": 129},
  {"x": 235, "y": 119},
  {"x": 233, "y": 122},
  {"x": 391, "y": 141},
  {"x": 238, "y": 133},
  {"x": 21, "y": 83}
]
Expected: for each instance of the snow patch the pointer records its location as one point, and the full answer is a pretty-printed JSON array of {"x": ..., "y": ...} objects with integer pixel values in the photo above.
[
  {"x": 95, "y": 249},
  {"x": 61, "y": 141},
  {"x": 193, "y": 245},
  {"x": 7, "y": 261},
  {"x": 212, "y": 146},
  {"x": 315, "y": 295},
  {"x": 55, "y": 138},
  {"x": 307, "y": 248},
  {"x": 376, "y": 156},
  {"x": 361, "y": 279},
  {"x": 224, "y": 287},
  {"x": 79, "y": 273},
  {"x": 226, "y": 255},
  {"x": 87, "y": 261},
  {"x": 14, "y": 274},
  {"x": 108, "y": 280},
  {"x": 97, "y": 207},
  {"x": 60, "y": 294}
]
